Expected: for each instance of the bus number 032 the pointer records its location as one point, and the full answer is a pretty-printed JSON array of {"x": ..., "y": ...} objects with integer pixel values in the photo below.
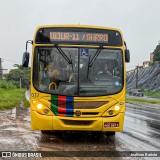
[{"x": 35, "y": 95}]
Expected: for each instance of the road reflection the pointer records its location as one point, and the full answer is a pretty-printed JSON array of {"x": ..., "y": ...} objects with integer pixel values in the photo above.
[{"x": 79, "y": 141}]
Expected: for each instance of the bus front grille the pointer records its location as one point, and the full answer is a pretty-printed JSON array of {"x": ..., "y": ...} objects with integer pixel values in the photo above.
[
  {"x": 70, "y": 109},
  {"x": 88, "y": 105},
  {"x": 77, "y": 122},
  {"x": 73, "y": 113},
  {"x": 80, "y": 105}
]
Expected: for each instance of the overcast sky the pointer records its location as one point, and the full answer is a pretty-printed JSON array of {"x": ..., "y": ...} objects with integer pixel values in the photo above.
[{"x": 139, "y": 21}]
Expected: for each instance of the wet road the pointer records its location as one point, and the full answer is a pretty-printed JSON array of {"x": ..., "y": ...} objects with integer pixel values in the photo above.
[
  {"x": 141, "y": 133},
  {"x": 143, "y": 124}
]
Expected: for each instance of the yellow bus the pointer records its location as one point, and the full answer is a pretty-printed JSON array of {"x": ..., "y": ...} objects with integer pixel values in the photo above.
[{"x": 77, "y": 78}]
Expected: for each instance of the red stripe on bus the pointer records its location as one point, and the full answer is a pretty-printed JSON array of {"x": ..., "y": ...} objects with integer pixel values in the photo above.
[{"x": 62, "y": 104}]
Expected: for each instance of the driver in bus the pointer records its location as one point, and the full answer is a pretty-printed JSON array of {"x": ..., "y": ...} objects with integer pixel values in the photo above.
[{"x": 105, "y": 71}]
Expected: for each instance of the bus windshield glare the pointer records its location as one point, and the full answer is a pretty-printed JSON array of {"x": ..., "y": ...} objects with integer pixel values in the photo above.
[{"x": 78, "y": 71}]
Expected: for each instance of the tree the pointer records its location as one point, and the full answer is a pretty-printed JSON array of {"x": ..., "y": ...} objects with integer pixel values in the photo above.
[
  {"x": 157, "y": 53},
  {"x": 19, "y": 74}
]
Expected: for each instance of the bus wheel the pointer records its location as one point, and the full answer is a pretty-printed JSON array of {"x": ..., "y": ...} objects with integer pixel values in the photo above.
[{"x": 45, "y": 132}]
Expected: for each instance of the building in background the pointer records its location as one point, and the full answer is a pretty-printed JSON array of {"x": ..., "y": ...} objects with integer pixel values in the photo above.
[
  {"x": 151, "y": 57},
  {"x": 146, "y": 64},
  {"x": 130, "y": 72}
]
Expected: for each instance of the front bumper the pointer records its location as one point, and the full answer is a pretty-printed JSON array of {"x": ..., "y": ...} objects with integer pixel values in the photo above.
[{"x": 43, "y": 122}]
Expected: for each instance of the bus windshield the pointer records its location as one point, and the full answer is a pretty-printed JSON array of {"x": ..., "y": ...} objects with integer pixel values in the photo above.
[{"x": 78, "y": 71}]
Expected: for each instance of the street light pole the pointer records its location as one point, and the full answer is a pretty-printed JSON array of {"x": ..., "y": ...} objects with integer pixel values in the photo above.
[
  {"x": 137, "y": 67},
  {"x": 20, "y": 78}
]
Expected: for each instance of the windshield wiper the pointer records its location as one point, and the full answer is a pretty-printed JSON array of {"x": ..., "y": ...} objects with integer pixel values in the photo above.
[
  {"x": 95, "y": 56},
  {"x": 90, "y": 63},
  {"x": 63, "y": 54}
]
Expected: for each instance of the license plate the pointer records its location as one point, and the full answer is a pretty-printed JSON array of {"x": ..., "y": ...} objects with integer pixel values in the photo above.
[{"x": 111, "y": 124}]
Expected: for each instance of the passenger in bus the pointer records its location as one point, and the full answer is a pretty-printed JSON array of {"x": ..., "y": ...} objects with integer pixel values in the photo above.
[
  {"x": 44, "y": 78},
  {"x": 59, "y": 72}
]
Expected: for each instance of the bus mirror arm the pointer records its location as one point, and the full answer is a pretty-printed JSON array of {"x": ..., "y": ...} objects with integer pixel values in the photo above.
[{"x": 29, "y": 41}]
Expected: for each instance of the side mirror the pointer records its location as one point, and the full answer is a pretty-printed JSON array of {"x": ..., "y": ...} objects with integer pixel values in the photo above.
[
  {"x": 25, "y": 60},
  {"x": 127, "y": 55}
]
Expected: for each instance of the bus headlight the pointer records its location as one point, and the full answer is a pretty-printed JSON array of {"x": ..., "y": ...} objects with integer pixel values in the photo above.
[
  {"x": 112, "y": 111},
  {"x": 117, "y": 108},
  {"x": 42, "y": 109},
  {"x": 39, "y": 106}
]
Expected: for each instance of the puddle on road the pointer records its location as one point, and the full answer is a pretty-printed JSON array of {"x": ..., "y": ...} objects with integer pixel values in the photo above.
[
  {"x": 7, "y": 141},
  {"x": 77, "y": 142},
  {"x": 14, "y": 129}
]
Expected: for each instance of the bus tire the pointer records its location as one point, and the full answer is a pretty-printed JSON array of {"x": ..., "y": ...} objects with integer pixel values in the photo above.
[
  {"x": 45, "y": 132},
  {"x": 111, "y": 133}
]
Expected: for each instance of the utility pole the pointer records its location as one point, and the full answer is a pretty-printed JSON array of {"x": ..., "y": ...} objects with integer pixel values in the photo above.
[
  {"x": 137, "y": 76},
  {"x": 1, "y": 70}
]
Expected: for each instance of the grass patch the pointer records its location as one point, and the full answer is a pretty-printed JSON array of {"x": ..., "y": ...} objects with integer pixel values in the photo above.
[
  {"x": 10, "y": 98},
  {"x": 149, "y": 93},
  {"x": 152, "y": 94},
  {"x": 141, "y": 101}
]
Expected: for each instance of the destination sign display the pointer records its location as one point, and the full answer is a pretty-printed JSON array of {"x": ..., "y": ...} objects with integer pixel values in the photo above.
[{"x": 78, "y": 36}]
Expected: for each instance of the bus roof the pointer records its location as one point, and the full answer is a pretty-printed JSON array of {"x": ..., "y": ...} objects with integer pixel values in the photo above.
[{"x": 77, "y": 26}]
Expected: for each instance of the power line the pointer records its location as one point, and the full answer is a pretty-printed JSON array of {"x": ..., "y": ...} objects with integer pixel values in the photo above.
[{"x": 10, "y": 61}]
